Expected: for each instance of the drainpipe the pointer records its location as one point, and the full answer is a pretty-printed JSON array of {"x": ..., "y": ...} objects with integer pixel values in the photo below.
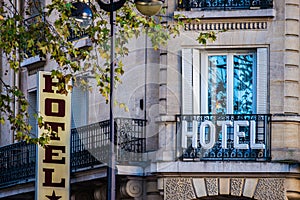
[{"x": 146, "y": 73}]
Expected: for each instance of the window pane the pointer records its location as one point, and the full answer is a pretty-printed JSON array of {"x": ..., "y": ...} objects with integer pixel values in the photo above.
[
  {"x": 243, "y": 84},
  {"x": 217, "y": 84}
]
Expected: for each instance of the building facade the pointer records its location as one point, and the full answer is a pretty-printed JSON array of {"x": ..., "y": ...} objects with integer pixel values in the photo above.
[{"x": 213, "y": 121}]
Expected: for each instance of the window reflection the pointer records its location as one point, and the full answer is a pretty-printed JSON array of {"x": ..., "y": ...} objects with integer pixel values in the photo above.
[
  {"x": 231, "y": 86},
  {"x": 243, "y": 84},
  {"x": 217, "y": 84}
]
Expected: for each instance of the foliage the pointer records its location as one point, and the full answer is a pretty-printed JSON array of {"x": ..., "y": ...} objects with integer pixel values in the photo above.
[{"x": 21, "y": 38}]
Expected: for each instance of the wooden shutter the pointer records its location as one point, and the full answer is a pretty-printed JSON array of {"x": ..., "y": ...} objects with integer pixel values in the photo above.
[
  {"x": 196, "y": 81},
  {"x": 187, "y": 81},
  {"x": 190, "y": 81}
]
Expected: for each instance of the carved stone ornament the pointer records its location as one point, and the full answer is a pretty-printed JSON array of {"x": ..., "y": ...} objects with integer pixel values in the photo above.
[
  {"x": 132, "y": 188},
  {"x": 212, "y": 186},
  {"x": 236, "y": 186},
  {"x": 256, "y": 188},
  {"x": 270, "y": 188},
  {"x": 100, "y": 193},
  {"x": 179, "y": 189}
]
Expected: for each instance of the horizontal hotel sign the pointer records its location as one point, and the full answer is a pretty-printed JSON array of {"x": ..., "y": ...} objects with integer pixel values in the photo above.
[
  {"x": 224, "y": 137},
  {"x": 53, "y": 161}
]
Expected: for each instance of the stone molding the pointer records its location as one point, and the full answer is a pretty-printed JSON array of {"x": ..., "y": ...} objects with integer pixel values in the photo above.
[
  {"x": 191, "y": 188},
  {"x": 219, "y": 26}
]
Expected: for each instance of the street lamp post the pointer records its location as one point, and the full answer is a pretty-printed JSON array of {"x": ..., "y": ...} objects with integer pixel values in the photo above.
[{"x": 145, "y": 7}]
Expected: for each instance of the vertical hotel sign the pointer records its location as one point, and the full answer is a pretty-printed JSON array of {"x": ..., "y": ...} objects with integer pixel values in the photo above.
[{"x": 53, "y": 161}]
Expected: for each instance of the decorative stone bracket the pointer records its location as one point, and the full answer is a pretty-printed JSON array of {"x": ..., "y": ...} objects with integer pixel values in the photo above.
[{"x": 132, "y": 188}]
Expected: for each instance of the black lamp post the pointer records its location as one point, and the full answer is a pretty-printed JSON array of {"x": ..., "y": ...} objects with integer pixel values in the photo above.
[{"x": 83, "y": 12}]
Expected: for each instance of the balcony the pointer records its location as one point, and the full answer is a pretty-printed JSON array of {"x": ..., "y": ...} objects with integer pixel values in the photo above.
[
  {"x": 17, "y": 163},
  {"x": 89, "y": 149},
  {"x": 224, "y": 4},
  {"x": 90, "y": 144},
  {"x": 223, "y": 137}
]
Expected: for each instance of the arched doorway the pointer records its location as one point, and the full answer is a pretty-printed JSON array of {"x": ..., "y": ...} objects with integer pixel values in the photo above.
[{"x": 224, "y": 197}]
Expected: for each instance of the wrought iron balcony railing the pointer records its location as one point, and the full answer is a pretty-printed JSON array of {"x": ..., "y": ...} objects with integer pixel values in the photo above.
[
  {"x": 90, "y": 144},
  {"x": 223, "y": 137},
  {"x": 89, "y": 148},
  {"x": 224, "y": 4},
  {"x": 17, "y": 163}
]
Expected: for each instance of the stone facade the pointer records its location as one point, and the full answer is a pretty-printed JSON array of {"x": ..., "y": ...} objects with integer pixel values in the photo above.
[{"x": 152, "y": 89}]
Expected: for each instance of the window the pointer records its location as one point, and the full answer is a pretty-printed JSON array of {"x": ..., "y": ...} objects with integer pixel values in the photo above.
[
  {"x": 230, "y": 83},
  {"x": 79, "y": 107},
  {"x": 224, "y": 82}
]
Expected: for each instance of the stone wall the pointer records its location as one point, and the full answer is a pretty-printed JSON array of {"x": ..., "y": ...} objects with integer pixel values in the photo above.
[{"x": 286, "y": 120}]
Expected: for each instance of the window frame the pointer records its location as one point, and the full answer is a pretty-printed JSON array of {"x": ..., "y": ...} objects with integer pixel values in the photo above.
[
  {"x": 204, "y": 75},
  {"x": 193, "y": 59}
]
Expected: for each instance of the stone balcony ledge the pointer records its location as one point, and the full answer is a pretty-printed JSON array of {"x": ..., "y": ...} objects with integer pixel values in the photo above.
[
  {"x": 223, "y": 167},
  {"x": 285, "y": 118}
]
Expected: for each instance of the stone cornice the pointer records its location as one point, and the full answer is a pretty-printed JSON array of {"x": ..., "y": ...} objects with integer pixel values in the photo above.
[{"x": 219, "y": 26}]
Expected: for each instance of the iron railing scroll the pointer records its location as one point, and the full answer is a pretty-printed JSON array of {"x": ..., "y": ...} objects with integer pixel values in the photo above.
[
  {"x": 131, "y": 140},
  {"x": 90, "y": 144},
  {"x": 246, "y": 138},
  {"x": 224, "y": 4}
]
